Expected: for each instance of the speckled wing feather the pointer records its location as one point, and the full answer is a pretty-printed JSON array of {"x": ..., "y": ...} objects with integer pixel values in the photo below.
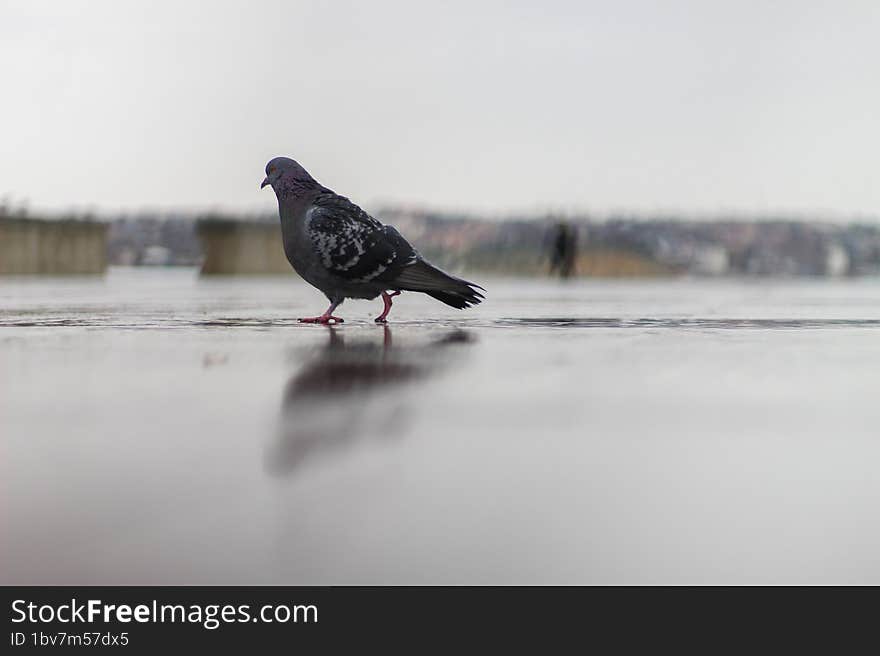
[{"x": 353, "y": 245}]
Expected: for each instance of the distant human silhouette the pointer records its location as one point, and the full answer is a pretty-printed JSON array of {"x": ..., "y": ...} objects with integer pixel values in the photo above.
[{"x": 563, "y": 250}]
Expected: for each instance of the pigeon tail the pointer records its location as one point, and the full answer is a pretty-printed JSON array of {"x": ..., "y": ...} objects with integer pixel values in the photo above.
[{"x": 424, "y": 277}]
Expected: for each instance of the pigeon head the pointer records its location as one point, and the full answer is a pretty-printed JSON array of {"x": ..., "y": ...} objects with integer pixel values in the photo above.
[{"x": 288, "y": 178}]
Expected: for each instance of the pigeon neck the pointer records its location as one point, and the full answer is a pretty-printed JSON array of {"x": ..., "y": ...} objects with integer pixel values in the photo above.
[{"x": 299, "y": 189}]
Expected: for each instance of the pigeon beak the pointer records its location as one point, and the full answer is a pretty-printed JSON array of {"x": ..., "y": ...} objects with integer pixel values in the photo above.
[{"x": 265, "y": 182}]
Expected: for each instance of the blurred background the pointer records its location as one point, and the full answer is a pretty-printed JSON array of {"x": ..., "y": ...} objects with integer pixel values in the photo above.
[
  {"x": 694, "y": 403},
  {"x": 709, "y": 139}
]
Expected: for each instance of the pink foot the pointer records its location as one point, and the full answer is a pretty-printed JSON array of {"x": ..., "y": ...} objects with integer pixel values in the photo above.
[
  {"x": 324, "y": 318},
  {"x": 386, "y": 298}
]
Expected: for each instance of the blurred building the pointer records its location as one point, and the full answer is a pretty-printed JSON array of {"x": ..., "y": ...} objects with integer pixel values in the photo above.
[
  {"x": 154, "y": 240},
  {"x": 613, "y": 247},
  {"x": 236, "y": 247},
  {"x": 64, "y": 246}
]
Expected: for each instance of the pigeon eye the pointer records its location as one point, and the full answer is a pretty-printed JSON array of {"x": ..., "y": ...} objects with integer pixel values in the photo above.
[{"x": 271, "y": 170}]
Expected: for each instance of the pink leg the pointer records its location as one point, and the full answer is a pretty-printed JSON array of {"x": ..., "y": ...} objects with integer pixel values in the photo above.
[
  {"x": 327, "y": 317},
  {"x": 386, "y": 298}
]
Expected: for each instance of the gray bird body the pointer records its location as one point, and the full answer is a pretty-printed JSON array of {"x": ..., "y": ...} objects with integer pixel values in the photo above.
[
  {"x": 341, "y": 250},
  {"x": 310, "y": 244}
]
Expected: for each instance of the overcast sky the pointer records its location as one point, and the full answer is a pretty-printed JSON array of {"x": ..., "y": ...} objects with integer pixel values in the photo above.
[{"x": 487, "y": 106}]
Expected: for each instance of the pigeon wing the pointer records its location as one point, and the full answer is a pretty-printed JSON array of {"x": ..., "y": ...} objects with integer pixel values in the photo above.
[{"x": 353, "y": 245}]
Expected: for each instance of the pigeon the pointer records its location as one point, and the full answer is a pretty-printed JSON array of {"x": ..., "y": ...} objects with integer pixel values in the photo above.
[{"x": 344, "y": 252}]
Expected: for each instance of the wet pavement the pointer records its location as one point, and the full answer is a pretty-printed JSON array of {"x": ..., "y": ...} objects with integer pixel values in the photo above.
[{"x": 160, "y": 428}]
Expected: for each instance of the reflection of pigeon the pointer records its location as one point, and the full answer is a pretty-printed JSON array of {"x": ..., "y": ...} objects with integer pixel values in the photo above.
[
  {"x": 343, "y": 251},
  {"x": 353, "y": 391}
]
